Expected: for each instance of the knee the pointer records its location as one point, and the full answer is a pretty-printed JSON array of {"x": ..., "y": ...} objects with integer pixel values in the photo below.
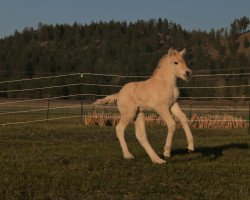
[
  {"x": 140, "y": 137},
  {"x": 183, "y": 119},
  {"x": 172, "y": 126},
  {"x": 119, "y": 129}
]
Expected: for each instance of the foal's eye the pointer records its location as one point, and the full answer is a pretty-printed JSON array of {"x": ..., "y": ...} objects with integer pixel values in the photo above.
[{"x": 176, "y": 63}]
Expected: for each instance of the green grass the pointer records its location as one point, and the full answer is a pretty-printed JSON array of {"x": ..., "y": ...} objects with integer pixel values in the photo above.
[{"x": 66, "y": 161}]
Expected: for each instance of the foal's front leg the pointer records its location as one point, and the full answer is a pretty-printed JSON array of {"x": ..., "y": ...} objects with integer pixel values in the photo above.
[
  {"x": 166, "y": 115},
  {"x": 176, "y": 110}
]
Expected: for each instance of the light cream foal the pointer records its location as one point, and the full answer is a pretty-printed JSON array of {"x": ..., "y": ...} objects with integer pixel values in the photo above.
[{"x": 157, "y": 93}]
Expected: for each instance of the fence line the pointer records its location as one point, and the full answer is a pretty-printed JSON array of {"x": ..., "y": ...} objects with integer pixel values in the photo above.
[
  {"x": 205, "y": 120},
  {"x": 49, "y": 98},
  {"x": 41, "y": 99},
  {"x": 213, "y": 87},
  {"x": 215, "y": 109},
  {"x": 108, "y": 107},
  {"x": 100, "y": 95},
  {"x": 76, "y": 116},
  {"x": 103, "y": 95},
  {"x": 116, "y": 86},
  {"x": 39, "y": 120},
  {"x": 40, "y": 88},
  {"x": 74, "y": 74},
  {"x": 102, "y": 85},
  {"x": 36, "y": 110},
  {"x": 39, "y": 78},
  {"x": 227, "y": 69},
  {"x": 209, "y": 75},
  {"x": 214, "y": 98},
  {"x": 60, "y": 86},
  {"x": 115, "y": 75}
]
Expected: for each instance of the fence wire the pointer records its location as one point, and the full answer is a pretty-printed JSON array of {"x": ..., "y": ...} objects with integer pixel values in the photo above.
[
  {"x": 115, "y": 75},
  {"x": 101, "y": 95}
]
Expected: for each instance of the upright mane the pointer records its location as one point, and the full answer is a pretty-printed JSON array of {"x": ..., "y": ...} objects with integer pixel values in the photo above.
[{"x": 171, "y": 52}]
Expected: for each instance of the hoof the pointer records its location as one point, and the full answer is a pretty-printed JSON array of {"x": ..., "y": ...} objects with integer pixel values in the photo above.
[
  {"x": 128, "y": 157},
  {"x": 162, "y": 156},
  {"x": 166, "y": 157},
  {"x": 159, "y": 161},
  {"x": 190, "y": 151}
]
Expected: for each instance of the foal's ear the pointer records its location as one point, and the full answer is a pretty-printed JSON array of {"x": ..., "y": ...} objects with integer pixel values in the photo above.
[
  {"x": 183, "y": 52},
  {"x": 170, "y": 51}
]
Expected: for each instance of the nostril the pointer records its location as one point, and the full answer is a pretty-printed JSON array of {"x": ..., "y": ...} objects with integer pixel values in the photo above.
[{"x": 188, "y": 73}]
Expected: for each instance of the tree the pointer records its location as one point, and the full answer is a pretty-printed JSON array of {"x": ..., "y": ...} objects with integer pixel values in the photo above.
[
  {"x": 239, "y": 26},
  {"x": 243, "y": 24},
  {"x": 246, "y": 43},
  {"x": 234, "y": 31}
]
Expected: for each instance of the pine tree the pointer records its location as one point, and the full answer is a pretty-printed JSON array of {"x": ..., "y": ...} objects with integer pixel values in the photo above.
[{"x": 246, "y": 43}]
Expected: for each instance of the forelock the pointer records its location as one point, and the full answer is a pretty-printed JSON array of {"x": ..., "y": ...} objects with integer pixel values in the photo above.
[{"x": 172, "y": 52}]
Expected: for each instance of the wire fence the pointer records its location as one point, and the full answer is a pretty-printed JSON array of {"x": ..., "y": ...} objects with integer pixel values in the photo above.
[
  {"x": 78, "y": 108},
  {"x": 115, "y": 86},
  {"x": 116, "y": 75}
]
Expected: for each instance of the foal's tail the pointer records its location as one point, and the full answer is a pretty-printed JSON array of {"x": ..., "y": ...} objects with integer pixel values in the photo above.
[{"x": 107, "y": 100}]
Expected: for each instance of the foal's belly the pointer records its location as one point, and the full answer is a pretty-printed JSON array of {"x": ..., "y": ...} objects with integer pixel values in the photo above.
[
  {"x": 154, "y": 99},
  {"x": 152, "y": 94}
]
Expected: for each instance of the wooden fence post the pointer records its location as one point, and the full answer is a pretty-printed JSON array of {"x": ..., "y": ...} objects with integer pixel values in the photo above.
[
  {"x": 81, "y": 98},
  {"x": 48, "y": 108},
  {"x": 190, "y": 109},
  {"x": 235, "y": 109},
  {"x": 248, "y": 118}
]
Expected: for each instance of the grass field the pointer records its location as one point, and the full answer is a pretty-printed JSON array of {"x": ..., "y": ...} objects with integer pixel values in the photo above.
[{"x": 72, "y": 161}]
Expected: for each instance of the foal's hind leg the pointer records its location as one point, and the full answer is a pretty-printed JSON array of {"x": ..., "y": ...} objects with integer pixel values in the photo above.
[
  {"x": 175, "y": 109},
  {"x": 142, "y": 137},
  {"x": 120, "y": 131}
]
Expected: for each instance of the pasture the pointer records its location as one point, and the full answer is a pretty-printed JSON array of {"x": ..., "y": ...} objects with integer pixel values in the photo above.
[{"x": 66, "y": 160}]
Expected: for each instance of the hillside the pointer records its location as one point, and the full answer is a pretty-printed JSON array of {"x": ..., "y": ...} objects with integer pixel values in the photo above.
[{"x": 118, "y": 48}]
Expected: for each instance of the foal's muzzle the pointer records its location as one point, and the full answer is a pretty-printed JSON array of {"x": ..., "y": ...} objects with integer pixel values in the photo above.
[{"x": 188, "y": 73}]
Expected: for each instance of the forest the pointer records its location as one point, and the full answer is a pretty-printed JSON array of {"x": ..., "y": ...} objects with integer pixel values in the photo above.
[{"x": 125, "y": 48}]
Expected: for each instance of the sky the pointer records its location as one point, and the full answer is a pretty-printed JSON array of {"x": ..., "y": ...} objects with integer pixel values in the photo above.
[{"x": 190, "y": 14}]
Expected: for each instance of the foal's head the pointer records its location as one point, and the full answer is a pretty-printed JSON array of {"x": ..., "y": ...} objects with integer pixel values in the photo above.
[{"x": 175, "y": 64}]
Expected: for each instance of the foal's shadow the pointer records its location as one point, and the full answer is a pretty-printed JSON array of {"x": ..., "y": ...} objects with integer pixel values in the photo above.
[{"x": 212, "y": 152}]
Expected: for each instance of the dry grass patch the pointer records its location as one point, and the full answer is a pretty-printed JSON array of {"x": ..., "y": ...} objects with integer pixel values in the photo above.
[{"x": 196, "y": 121}]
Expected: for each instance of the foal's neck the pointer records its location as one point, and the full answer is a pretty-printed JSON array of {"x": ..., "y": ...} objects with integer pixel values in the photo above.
[{"x": 166, "y": 76}]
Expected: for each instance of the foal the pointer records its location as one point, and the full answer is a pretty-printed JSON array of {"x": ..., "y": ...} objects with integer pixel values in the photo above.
[{"x": 158, "y": 93}]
